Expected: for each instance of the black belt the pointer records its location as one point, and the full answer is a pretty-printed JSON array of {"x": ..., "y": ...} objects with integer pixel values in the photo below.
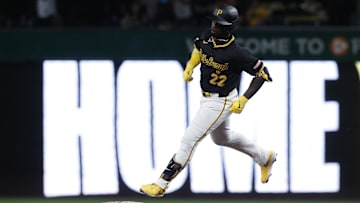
[{"x": 208, "y": 94}]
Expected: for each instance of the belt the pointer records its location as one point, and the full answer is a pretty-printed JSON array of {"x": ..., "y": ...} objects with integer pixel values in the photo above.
[{"x": 209, "y": 94}]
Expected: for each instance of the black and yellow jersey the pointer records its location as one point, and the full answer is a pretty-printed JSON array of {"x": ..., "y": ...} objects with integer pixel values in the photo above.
[{"x": 222, "y": 62}]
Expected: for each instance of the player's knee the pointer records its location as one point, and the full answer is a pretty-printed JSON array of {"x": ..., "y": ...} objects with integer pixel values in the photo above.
[
  {"x": 221, "y": 139},
  {"x": 218, "y": 140}
]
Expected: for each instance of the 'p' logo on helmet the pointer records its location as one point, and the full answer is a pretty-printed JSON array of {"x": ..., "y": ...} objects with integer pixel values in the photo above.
[{"x": 219, "y": 12}]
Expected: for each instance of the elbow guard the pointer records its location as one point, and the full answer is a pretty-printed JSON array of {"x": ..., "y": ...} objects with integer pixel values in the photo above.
[{"x": 263, "y": 73}]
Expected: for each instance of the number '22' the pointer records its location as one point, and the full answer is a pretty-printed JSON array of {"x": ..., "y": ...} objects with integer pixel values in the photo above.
[{"x": 218, "y": 80}]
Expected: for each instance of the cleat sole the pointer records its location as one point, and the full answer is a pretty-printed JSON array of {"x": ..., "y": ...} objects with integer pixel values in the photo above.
[{"x": 148, "y": 195}]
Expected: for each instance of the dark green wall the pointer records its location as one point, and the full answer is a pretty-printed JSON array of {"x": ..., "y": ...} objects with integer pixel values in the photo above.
[{"x": 116, "y": 43}]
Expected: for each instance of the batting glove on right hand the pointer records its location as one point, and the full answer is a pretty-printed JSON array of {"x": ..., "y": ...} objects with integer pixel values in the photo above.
[
  {"x": 188, "y": 74},
  {"x": 238, "y": 105}
]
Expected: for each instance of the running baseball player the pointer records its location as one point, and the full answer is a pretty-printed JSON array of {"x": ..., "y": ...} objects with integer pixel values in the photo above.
[{"x": 222, "y": 61}]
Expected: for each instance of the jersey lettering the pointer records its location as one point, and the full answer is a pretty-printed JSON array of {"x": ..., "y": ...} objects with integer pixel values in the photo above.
[{"x": 210, "y": 62}]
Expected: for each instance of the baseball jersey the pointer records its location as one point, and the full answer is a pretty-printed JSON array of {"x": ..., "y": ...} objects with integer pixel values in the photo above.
[{"x": 222, "y": 63}]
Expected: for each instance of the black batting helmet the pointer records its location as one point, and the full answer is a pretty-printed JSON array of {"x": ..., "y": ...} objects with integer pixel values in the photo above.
[{"x": 225, "y": 15}]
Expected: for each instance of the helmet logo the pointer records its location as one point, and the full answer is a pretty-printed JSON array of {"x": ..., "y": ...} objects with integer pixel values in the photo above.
[{"x": 219, "y": 12}]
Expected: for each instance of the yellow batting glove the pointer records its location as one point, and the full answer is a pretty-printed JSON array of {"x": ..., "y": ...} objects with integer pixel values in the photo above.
[
  {"x": 238, "y": 105},
  {"x": 188, "y": 74}
]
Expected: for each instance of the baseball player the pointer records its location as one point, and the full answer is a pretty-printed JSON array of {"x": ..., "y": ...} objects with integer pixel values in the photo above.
[{"x": 222, "y": 61}]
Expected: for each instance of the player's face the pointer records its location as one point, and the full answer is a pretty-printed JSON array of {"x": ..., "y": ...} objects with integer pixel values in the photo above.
[{"x": 217, "y": 30}]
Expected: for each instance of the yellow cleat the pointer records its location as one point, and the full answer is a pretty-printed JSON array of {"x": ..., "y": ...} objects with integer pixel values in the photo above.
[
  {"x": 266, "y": 169},
  {"x": 152, "y": 190}
]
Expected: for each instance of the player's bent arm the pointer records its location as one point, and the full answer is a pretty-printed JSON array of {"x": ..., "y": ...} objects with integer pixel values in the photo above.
[
  {"x": 194, "y": 59},
  {"x": 238, "y": 105},
  {"x": 193, "y": 62},
  {"x": 254, "y": 86}
]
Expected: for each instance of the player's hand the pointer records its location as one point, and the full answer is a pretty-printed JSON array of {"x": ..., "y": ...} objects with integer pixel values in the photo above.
[
  {"x": 238, "y": 105},
  {"x": 264, "y": 74},
  {"x": 188, "y": 74}
]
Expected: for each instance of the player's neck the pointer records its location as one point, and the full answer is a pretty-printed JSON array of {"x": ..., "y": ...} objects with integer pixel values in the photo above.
[{"x": 223, "y": 39}]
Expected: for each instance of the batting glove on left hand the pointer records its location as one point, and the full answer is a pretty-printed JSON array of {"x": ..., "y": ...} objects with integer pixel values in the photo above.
[{"x": 238, "y": 105}]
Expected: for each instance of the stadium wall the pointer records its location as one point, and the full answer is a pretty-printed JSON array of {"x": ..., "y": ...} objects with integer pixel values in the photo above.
[{"x": 50, "y": 149}]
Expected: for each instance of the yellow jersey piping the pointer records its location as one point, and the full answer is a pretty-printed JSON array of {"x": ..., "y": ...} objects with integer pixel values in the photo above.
[
  {"x": 223, "y": 45},
  {"x": 206, "y": 132}
]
